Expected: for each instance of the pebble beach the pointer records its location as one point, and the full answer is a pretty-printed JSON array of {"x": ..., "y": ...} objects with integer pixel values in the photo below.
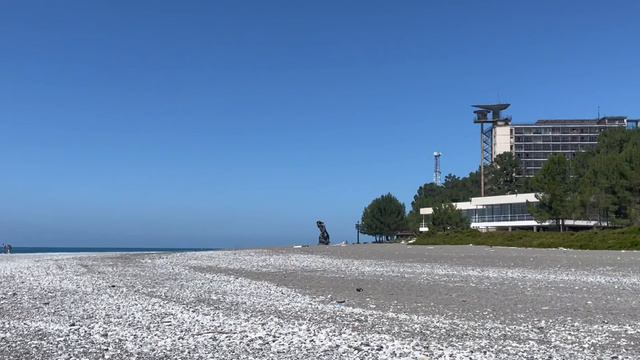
[{"x": 336, "y": 302}]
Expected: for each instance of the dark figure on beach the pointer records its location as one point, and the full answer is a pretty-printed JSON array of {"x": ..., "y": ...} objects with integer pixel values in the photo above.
[{"x": 324, "y": 235}]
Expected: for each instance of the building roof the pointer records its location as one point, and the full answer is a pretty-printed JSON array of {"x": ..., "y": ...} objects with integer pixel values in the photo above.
[
  {"x": 480, "y": 202},
  {"x": 567, "y": 122},
  {"x": 606, "y": 120}
]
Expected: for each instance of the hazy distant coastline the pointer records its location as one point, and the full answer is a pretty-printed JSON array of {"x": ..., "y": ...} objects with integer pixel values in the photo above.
[{"x": 73, "y": 250}]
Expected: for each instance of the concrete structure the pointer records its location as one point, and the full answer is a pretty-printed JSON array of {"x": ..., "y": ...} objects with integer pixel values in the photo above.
[
  {"x": 534, "y": 143},
  {"x": 504, "y": 212},
  {"x": 491, "y": 136},
  {"x": 501, "y": 134}
]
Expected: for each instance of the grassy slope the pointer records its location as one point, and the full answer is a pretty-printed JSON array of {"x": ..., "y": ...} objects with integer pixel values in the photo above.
[{"x": 619, "y": 239}]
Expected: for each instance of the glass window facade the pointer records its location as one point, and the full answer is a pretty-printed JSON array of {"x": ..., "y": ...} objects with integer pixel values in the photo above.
[
  {"x": 497, "y": 213},
  {"x": 534, "y": 144}
]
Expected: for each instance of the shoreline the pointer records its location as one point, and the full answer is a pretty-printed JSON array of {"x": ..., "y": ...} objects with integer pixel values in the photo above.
[
  {"x": 26, "y": 250},
  {"x": 118, "y": 250}
]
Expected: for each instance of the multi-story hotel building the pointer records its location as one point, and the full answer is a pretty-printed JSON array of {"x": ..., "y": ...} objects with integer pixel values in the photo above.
[{"x": 534, "y": 143}]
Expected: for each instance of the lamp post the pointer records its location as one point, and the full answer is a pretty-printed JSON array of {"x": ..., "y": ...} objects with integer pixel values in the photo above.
[{"x": 358, "y": 232}]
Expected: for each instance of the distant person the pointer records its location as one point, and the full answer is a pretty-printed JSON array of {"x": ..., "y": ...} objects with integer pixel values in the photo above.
[{"x": 9, "y": 248}]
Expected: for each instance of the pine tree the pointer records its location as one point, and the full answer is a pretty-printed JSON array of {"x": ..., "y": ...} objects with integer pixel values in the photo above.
[
  {"x": 446, "y": 217},
  {"x": 557, "y": 196},
  {"x": 384, "y": 217},
  {"x": 503, "y": 175}
]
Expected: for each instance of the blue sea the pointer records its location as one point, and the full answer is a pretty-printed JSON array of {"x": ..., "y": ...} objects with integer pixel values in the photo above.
[{"x": 45, "y": 250}]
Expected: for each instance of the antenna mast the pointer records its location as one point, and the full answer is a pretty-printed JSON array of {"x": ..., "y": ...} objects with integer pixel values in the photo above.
[{"x": 437, "y": 173}]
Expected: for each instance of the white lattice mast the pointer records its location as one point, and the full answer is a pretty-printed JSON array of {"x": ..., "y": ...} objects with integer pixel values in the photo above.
[{"x": 437, "y": 173}]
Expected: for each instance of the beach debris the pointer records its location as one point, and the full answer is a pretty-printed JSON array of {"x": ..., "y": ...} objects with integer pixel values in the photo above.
[
  {"x": 340, "y": 301},
  {"x": 359, "y": 289}
]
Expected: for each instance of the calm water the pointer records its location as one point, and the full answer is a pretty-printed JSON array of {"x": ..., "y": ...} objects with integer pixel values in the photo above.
[{"x": 35, "y": 250}]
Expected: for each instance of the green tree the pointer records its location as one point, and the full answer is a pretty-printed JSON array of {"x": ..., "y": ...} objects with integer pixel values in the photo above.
[
  {"x": 461, "y": 189},
  {"x": 598, "y": 182},
  {"x": 503, "y": 175},
  {"x": 609, "y": 179},
  {"x": 556, "y": 197},
  {"x": 453, "y": 189},
  {"x": 631, "y": 157},
  {"x": 447, "y": 217},
  {"x": 384, "y": 217}
]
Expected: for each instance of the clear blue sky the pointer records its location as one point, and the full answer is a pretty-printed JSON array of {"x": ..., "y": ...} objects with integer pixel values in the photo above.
[{"x": 240, "y": 123}]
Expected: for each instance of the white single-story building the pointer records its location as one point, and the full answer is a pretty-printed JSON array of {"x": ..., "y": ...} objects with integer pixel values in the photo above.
[{"x": 503, "y": 212}]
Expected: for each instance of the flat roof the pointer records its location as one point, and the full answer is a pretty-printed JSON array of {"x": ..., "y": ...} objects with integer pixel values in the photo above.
[
  {"x": 603, "y": 121},
  {"x": 480, "y": 202}
]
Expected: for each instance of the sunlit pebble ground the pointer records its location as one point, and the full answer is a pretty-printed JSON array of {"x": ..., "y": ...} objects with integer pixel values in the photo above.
[{"x": 234, "y": 305}]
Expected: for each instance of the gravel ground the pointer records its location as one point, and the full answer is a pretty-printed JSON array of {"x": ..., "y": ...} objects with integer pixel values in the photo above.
[{"x": 349, "y": 302}]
